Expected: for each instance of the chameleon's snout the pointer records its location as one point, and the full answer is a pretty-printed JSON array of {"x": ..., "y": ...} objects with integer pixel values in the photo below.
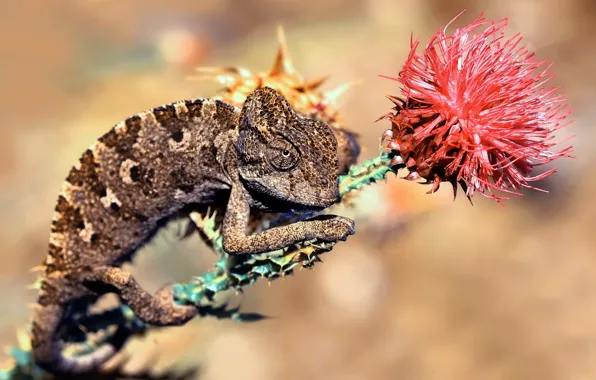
[
  {"x": 330, "y": 196},
  {"x": 327, "y": 202}
]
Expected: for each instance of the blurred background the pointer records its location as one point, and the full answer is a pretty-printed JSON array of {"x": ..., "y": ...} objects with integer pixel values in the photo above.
[{"x": 427, "y": 289}]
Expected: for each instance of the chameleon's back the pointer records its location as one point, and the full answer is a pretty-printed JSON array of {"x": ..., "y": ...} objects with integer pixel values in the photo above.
[
  {"x": 135, "y": 176},
  {"x": 143, "y": 170}
]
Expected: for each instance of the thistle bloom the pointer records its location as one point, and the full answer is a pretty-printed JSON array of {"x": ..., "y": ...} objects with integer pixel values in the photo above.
[{"x": 474, "y": 110}]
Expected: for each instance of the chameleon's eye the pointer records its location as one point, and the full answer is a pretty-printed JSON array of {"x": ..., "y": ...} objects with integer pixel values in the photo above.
[{"x": 281, "y": 154}]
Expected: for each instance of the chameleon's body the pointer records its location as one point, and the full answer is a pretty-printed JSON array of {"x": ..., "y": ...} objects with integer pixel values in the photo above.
[{"x": 152, "y": 166}]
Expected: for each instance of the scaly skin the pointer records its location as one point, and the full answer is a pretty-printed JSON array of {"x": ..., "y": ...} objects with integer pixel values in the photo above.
[{"x": 157, "y": 165}]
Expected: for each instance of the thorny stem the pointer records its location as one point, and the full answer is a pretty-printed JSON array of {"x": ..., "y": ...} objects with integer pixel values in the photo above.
[
  {"x": 230, "y": 273},
  {"x": 233, "y": 273}
]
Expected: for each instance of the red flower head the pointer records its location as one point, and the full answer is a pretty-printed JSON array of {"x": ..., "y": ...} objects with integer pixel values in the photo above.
[{"x": 474, "y": 110}]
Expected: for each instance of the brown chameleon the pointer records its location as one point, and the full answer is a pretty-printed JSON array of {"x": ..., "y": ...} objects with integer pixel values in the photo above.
[{"x": 152, "y": 167}]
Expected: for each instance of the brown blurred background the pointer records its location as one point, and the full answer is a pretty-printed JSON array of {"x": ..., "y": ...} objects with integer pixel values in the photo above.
[{"x": 427, "y": 289}]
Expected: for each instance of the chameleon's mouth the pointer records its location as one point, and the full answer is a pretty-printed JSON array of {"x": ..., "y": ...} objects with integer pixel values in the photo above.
[
  {"x": 299, "y": 207},
  {"x": 270, "y": 199},
  {"x": 316, "y": 204},
  {"x": 327, "y": 202},
  {"x": 302, "y": 209}
]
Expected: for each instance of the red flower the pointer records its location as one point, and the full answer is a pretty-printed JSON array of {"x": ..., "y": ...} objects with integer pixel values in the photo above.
[{"x": 474, "y": 110}]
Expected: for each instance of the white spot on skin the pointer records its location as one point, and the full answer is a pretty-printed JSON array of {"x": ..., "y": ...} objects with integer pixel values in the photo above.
[
  {"x": 56, "y": 216},
  {"x": 57, "y": 239},
  {"x": 120, "y": 126},
  {"x": 208, "y": 109},
  {"x": 180, "y": 109},
  {"x": 97, "y": 149},
  {"x": 148, "y": 117},
  {"x": 179, "y": 194},
  {"x": 109, "y": 199},
  {"x": 87, "y": 232},
  {"x": 125, "y": 170},
  {"x": 66, "y": 191}
]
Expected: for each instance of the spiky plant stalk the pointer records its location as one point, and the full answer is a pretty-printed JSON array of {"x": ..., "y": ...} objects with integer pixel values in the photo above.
[{"x": 230, "y": 273}]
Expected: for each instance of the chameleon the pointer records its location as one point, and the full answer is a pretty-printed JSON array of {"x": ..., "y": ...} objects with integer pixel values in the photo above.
[{"x": 262, "y": 157}]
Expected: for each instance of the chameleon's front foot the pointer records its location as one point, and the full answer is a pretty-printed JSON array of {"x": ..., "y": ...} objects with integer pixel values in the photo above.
[
  {"x": 333, "y": 227},
  {"x": 329, "y": 228}
]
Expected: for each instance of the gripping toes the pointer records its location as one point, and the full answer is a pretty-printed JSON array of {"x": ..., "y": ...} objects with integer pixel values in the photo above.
[
  {"x": 174, "y": 314},
  {"x": 337, "y": 228}
]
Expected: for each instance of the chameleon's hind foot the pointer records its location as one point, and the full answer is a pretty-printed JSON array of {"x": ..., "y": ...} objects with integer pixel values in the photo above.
[
  {"x": 157, "y": 310},
  {"x": 178, "y": 314}
]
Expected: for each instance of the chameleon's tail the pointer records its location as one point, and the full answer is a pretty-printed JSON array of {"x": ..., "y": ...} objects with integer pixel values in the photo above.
[{"x": 47, "y": 347}]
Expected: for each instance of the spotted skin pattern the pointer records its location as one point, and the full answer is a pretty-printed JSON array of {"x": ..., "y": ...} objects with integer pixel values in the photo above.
[{"x": 148, "y": 169}]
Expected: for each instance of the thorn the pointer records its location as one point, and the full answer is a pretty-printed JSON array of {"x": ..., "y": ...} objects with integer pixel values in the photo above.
[
  {"x": 334, "y": 94},
  {"x": 388, "y": 134},
  {"x": 23, "y": 339},
  {"x": 393, "y": 145},
  {"x": 454, "y": 184},
  {"x": 396, "y": 160},
  {"x": 388, "y": 115},
  {"x": 396, "y": 101},
  {"x": 412, "y": 176},
  {"x": 38, "y": 268},
  {"x": 282, "y": 63},
  {"x": 196, "y": 218},
  {"x": 436, "y": 185},
  {"x": 312, "y": 85},
  {"x": 216, "y": 70},
  {"x": 82, "y": 328}
]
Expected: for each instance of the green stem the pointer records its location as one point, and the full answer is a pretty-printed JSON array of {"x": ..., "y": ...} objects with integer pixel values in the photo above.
[
  {"x": 234, "y": 273},
  {"x": 230, "y": 273}
]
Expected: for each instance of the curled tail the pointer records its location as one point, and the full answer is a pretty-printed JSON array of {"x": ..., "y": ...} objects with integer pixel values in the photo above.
[{"x": 47, "y": 350}]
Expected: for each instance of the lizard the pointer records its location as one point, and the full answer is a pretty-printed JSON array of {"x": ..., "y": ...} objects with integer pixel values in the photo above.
[{"x": 260, "y": 157}]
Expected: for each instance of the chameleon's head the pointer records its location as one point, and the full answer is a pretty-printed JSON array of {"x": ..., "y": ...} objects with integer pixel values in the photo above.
[{"x": 287, "y": 162}]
